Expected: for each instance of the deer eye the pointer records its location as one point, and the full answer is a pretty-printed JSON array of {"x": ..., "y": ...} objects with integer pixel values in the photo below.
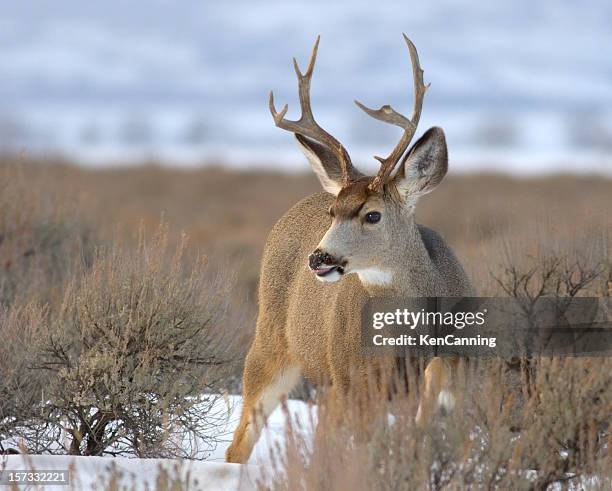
[{"x": 372, "y": 217}]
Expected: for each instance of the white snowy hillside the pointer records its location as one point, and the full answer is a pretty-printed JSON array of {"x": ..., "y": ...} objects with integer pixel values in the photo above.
[{"x": 519, "y": 86}]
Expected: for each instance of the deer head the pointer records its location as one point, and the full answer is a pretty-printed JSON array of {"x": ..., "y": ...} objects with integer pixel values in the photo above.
[{"x": 372, "y": 216}]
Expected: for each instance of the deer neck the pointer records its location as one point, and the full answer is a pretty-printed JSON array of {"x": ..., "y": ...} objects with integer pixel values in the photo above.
[{"x": 407, "y": 270}]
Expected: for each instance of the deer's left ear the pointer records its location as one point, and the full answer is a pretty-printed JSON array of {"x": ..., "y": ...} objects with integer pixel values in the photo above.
[{"x": 424, "y": 166}]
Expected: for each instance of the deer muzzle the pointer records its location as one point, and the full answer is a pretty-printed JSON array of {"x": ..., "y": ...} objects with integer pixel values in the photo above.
[{"x": 323, "y": 263}]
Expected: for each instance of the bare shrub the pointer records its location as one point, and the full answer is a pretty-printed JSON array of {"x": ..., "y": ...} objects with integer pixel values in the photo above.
[
  {"x": 551, "y": 273},
  {"x": 568, "y": 403},
  {"x": 42, "y": 238},
  {"x": 566, "y": 421},
  {"x": 20, "y": 388},
  {"x": 135, "y": 353}
]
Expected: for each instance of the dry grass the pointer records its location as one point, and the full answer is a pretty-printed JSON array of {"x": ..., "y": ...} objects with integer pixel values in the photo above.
[
  {"x": 557, "y": 435},
  {"x": 501, "y": 228},
  {"x": 41, "y": 234},
  {"x": 228, "y": 214}
]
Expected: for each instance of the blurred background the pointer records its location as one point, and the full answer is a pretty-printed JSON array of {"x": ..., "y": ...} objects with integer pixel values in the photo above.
[{"x": 519, "y": 86}]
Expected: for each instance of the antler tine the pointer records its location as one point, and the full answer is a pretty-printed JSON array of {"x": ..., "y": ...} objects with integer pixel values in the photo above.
[
  {"x": 311, "y": 62},
  {"x": 307, "y": 125},
  {"x": 387, "y": 114}
]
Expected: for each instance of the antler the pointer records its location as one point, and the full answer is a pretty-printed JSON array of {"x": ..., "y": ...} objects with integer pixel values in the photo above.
[
  {"x": 388, "y": 115},
  {"x": 307, "y": 125}
]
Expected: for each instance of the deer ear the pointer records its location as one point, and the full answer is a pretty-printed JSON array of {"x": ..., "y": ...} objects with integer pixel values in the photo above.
[
  {"x": 323, "y": 162},
  {"x": 424, "y": 166}
]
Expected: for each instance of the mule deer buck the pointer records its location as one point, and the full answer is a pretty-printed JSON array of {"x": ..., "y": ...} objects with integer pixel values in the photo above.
[{"x": 332, "y": 251}]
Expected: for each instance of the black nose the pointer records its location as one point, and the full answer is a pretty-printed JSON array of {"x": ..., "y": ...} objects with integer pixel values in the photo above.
[{"x": 319, "y": 258}]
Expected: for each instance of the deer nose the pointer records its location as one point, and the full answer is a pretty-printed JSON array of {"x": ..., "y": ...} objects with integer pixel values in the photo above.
[{"x": 319, "y": 258}]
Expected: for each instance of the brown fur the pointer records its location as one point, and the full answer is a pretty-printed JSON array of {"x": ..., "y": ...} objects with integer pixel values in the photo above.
[{"x": 314, "y": 326}]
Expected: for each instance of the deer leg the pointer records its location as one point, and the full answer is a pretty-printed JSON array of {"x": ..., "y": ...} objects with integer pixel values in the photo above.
[
  {"x": 437, "y": 389},
  {"x": 267, "y": 380}
]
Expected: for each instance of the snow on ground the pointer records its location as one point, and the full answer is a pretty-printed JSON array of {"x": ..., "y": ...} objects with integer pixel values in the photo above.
[
  {"x": 89, "y": 473},
  {"x": 211, "y": 474}
]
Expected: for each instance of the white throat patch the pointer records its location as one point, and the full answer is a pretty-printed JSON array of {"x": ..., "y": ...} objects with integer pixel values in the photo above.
[{"x": 374, "y": 276}]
